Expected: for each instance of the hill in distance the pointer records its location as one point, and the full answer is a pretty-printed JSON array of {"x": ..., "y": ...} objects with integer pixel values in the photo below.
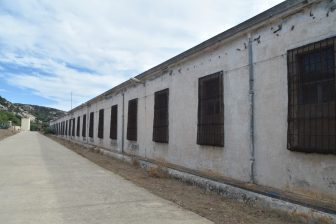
[{"x": 37, "y": 114}]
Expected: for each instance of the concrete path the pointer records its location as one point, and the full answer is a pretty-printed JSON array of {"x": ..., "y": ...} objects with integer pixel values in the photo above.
[{"x": 43, "y": 182}]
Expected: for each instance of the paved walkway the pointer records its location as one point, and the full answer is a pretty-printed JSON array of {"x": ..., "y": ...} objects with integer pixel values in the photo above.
[{"x": 43, "y": 182}]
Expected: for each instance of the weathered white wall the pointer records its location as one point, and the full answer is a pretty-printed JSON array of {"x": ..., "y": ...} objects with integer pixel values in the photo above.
[
  {"x": 25, "y": 124},
  {"x": 311, "y": 174},
  {"x": 275, "y": 166}
]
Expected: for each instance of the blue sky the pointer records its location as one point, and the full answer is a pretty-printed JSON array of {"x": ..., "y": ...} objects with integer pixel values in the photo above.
[{"x": 49, "y": 49}]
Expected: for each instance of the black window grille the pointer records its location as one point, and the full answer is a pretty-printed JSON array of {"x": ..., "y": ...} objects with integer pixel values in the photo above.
[
  {"x": 84, "y": 126},
  {"x": 101, "y": 124},
  {"x": 73, "y": 126},
  {"x": 210, "y": 127},
  {"x": 66, "y": 127},
  {"x": 132, "y": 123},
  {"x": 311, "y": 97},
  {"x": 114, "y": 122},
  {"x": 91, "y": 125},
  {"x": 69, "y": 127},
  {"x": 161, "y": 120},
  {"x": 63, "y": 132},
  {"x": 78, "y": 126}
]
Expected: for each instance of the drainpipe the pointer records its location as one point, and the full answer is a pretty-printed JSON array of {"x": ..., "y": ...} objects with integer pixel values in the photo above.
[
  {"x": 123, "y": 123},
  {"x": 251, "y": 94}
]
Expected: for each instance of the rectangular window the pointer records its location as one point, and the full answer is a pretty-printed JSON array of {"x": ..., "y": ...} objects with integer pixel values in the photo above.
[
  {"x": 91, "y": 125},
  {"x": 114, "y": 122},
  {"x": 132, "y": 122},
  {"x": 73, "y": 126},
  {"x": 210, "y": 126},
  {"x": 66, "y": 127},
  {"x": 69, "y": 127},
  {"x": 84, "y": 126},
  {"x": 311, "y": 97},
  {"x": 101, "y": 124},
  {"x": 160, "y": 124},
  {"x": 78, "y": 126}
]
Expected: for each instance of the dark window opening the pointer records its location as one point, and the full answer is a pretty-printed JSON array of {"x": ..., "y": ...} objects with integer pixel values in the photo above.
[
  {"x": 91, "y": 125},
  {"x": 311, "y": 97},
  {"x": 132, "y": 122},
  {"x": 84, "y": 126},
  {"x": 69, "y": 128},
  {"x": 66, "y": 127},
  {"x": 78, "y": 126},
  {"x": 73, "y": 126},
  {"x": 161, "y": 121},
  {"x": 62, "y": 127},
  {"x": 101, "y": 124},
  {"x": 114, "y": 122},
  {"x": 210, "y": 126}
]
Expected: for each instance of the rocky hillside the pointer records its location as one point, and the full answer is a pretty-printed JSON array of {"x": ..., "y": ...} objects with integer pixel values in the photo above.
[{"x": 37, "y": 114}]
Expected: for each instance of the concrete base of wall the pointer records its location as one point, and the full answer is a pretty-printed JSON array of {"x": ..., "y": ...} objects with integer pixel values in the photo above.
[{"x": 305, "y": 213}]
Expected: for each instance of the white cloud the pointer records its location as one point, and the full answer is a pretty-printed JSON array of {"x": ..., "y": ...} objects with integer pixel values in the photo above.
[{"x": 111, "y": 38}]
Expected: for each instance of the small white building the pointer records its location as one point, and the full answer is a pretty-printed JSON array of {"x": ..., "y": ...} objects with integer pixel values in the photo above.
[{"x": 25, "y": 124}]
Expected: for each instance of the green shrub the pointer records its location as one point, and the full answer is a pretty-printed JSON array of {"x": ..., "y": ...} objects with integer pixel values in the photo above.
[{"x": 49, "y": 130}]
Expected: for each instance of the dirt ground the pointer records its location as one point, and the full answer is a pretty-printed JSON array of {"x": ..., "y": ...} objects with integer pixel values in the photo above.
[
  {"x": 4, "y": 133},
  {"x": 207, "y": 204}
]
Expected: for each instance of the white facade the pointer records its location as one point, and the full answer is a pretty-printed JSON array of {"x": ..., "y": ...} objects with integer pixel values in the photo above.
[
  {"x": 283, "y": 28},
  {"x": 25, "y": 124}
]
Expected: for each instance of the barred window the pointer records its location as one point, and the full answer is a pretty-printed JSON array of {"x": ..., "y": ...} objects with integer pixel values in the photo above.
[
  {"x": 69, "y": 128},
  {"x": 160, "y": 124},
  {"x": 78, "y": 126},
  {"x": 210, "y": 127},
  {"x": 73, "y": 126},
  {"x": 66, "y": 127},
  {"x": 84, "y": 126},
  {"x": 114, "y": 122},
  {"x": 311, "y": 97},
  {"x": 91, "y": 125},
  {"x": 132, "y": 122},
  {"x": 101, "y": 124}
]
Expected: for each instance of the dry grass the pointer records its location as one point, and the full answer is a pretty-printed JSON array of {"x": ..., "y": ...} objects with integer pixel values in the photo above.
[
  {"x": 157, "y": 172},
  {"x": 4, "y": 133}
]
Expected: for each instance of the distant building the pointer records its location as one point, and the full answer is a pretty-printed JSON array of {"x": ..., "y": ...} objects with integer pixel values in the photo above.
[{"x": 25, "y": 124}]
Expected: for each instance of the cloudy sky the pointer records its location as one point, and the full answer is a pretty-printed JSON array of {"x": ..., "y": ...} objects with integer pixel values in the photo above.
[{"x": 49, "y": 49}]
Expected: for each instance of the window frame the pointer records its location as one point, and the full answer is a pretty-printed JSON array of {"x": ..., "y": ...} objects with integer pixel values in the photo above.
[
  {"x": 161, "y": 117},
  {"x": 309, "y": 128},
  {"x": 100, "y": 133},
  {"x": 78, "y": 127},
  {"x": 209, "y": 131},
  {"x": 132, "y": 120},
  {"x": 114, "y": 122},
  {"x": 84, "y": 126},
  {"x": 91, "y": 124}
]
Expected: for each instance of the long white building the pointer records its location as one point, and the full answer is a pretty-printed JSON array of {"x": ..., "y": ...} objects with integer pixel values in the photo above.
[{"x": 254, "y": 104}]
